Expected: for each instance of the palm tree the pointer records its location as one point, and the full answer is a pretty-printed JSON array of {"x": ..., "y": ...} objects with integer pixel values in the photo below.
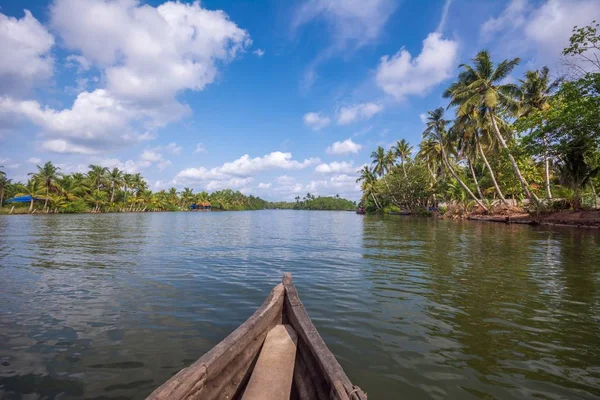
[
  {"x": 46, "y": 175},
  {"x": 382, "y": 163},
  {"x": 2, "y": 172},
  {"x": 368, "y": 179},
  {"x": 98, "y": 197},
  {"x": 187, "y": 197},
  {"x": 4, "y": 182},
  {"x": 402, "y": 150},
  {"x": 58, "y": 201},
  {"x": 97, "y": 175},
  {"x": 436, "y": 131},
  {"x": 465, "y": 136},
  {"x": 481, "y": 86},
  {"x": 115, "y": 179},
  {"x": 538, "y": 89},
  {"x": 33, "y": 189}
]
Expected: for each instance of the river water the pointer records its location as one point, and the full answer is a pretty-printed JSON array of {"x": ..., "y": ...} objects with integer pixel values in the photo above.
[{"x": 110, "y": 306}]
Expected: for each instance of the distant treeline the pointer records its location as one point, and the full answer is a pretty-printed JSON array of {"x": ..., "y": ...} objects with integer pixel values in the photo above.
[
  {"x": 104, "y": 190},
  {"x": 310, "y": 202}
]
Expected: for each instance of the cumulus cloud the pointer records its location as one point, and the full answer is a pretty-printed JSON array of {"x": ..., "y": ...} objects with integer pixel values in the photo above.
[
  {"x": 342, "y": 184},
  {"x": 265, "y": 185},
  {"x": 345, "y": 147},
  {"x": 316, "y": 121},
  {"x": 357, "y": 112},
  {"x": 149, "y": 53},
  {"x": 243, "y": 167},
  {"x": 402, "y": 74},
  {"x": 95, "y": 122},
  {"x": 128, "y": 166},
  {"x": 542, "y": 29},
  {"x": 233, "y": 183},
  {"x": 336, "y": 168},
  {"x": 25, "y": 46},
  {"x": 259, "y": 52}
]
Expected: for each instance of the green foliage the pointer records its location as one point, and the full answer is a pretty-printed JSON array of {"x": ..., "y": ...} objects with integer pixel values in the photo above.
[
  {"x": 76, "y": 206},
  {"x": 310, "y": 202}
]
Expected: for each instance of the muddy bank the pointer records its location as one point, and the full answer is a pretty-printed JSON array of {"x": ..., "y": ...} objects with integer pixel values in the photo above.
[{"x": 581, "y": 219}]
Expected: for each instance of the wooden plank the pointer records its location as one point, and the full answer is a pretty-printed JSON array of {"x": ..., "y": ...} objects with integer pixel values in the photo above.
[
  {"x": 190, "y": 382},
  {"x": 274, "y": 371},
  {"x": 340, "y": 386},
  {"x": 308, "y": 376}
]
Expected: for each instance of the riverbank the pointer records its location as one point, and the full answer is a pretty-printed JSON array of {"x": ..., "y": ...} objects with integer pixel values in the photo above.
[{"x": 579, "y": 219}]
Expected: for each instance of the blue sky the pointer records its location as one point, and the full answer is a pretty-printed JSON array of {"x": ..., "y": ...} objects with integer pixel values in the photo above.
[{"x": 273, "y": 98}]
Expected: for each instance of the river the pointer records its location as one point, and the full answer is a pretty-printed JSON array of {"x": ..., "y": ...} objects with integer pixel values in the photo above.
[{"x": 110, "y": 306}]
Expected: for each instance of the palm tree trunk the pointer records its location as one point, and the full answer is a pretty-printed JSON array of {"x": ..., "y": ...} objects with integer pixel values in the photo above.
[
  {"x": 47, "y": 192},
  {"x": 112, "y": 193},
  {"x": 547, "y": 170},
  {"x": 491, "y": 171},
  {"x": 530, "y": 195},
  {"x": 464, "y": 186},
  {"x": 2, "y": 196},
  {"x": 474, "y": 178},
  {"x": 403, "y": 168},
  {"x": 31, "y": 204},
  {"x": 375, "y": 201}
]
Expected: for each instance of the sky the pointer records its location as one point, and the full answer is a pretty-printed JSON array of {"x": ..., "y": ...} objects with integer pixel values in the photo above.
[{"x": 272, "y": 98}]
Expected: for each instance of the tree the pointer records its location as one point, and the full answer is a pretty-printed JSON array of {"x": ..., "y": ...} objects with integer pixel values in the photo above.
[
  {"x": 98, "y": 198},
  {"x": 481, "y": 86},
  {"x": 115, "y": 179},
  {"x": 584, "y": 50},
  {"x": 97, "y": 175},
  {"x": 34, "y": 189},
  {"x": 369, "y": 180},
  {"x": 46, "y": 175},
  {"x": 4, "y": 183},
  {"x": 402, "y": 150},
  {"x": 436, "y": 132},
  {"x": 538, "y": 89}
]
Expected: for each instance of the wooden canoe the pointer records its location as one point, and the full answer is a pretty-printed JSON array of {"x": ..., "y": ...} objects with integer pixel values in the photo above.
[{"x": 224, "y": 372}]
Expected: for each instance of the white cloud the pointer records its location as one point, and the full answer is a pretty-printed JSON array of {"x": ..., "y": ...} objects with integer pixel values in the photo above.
[
  {"x": 243, "y": 167},
  {"x": 34, "y": 160},
  {"x": 342, "y": 184},
  {"x": 423, "y": 118},
  {"x": 128, "y": 166},
  {"x": 265, "y": 185},
  {"x": 336, "y": 168},
  {"x": 233, "y": 183},
  {"x": 259, "y": 52},
  {"x": 316, "y": 121},
  {"x": 351, "y": 22},
  {"x": 148, "y": 53},
  {"x": 25, "y": 47},
  {"x": 200, "y": 148},
  {"x": 97, "y": 121},
  {"x": 80, "y": 62},
  {"x": 357, "y": 112},
  {"x": 402, "y": 75},
  {"x": 347, "y": 146},
  {"x": 173, "y": 148},
  {"x": 151, "y": 156},
  {"x": 543, "y": 30},
  {"x": 285, "y": 180}
]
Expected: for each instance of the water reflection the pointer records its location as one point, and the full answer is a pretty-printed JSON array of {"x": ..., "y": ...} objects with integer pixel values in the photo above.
[{"x": 110, "y": 306}]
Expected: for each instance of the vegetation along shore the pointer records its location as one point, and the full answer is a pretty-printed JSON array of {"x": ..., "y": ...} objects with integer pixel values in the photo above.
[
  {"x": 504, "y": 146},
  {"x": 103, "y": 190}
]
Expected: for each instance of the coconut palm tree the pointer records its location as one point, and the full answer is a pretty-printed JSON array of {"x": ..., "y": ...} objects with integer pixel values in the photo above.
[
  {"x": 97, "y": 175},
  {"x": 481, "y": 86},
  {"x": 538, "y": 88},
  {"x": 46, "y": 175},
  {"x": 115, "y": 180},
  {"x": 369, "y": 180},
  {"x": 2, "y": 172},
  {"x": 34, "y": 189},
  {"x": 382, "y": 164},
  {"x": 402, "y": 150},
  {"x": 436, "y": 131},
  {"x": 4, "y": 182},
  {"x": 98, "y": 197},
  {"x": 57, "y": 201},
  {"x": 187, "y": 197}
]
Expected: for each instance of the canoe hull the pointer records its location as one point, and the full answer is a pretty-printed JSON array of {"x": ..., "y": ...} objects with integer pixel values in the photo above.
[{"x": 224, "y": 371}]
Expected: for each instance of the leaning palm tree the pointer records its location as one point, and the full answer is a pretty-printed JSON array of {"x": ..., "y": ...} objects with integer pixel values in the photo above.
[
  {"x": 402, "y": 150},
  {"x": 481, "y": 86},
  {"x": 98, "y": 197},
  {"x": 46, "y": 175},
  {"x": 436, "y": 131},
  {"x": 382, "y": 163},
  {"x": 538, "y": 88},
  {"x": 33, "y": 189},
  {"x": 368, "y": 179}
]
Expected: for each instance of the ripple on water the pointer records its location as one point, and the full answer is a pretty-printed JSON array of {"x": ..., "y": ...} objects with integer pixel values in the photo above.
[{"x": 110, "y": 306}]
